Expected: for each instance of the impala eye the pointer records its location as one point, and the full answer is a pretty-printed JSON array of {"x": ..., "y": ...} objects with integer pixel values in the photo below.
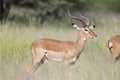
[
  {"x": 94, "y": 26},
  {"x": 86, "y": 30}
]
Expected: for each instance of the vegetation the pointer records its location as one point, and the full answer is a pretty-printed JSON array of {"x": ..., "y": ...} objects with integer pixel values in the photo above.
[
  {"x": 46, "y": 10},
  {"x": 93, "y": 64},
  {"x": 24, "y": 25}
]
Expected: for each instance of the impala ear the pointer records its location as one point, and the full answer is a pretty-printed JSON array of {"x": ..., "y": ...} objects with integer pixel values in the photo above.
[
  {"x": 76, "y": 26},
  {"x": 92, "y": 27}
]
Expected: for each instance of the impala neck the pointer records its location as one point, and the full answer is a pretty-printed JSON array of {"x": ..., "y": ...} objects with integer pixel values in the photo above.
[{"x": 80, "y": 42}]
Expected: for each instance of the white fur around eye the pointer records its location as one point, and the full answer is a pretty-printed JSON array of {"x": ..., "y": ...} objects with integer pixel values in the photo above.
[{"x": 86, "y": 31}]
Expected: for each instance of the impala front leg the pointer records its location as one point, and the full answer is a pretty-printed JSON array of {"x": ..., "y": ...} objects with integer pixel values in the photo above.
[
  {"x": 72, "y": 62},
  {"x": 67, "y": 71}
]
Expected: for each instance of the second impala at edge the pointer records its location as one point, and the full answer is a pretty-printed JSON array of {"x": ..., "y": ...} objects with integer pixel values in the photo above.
[{"x": 68, "y": 52}]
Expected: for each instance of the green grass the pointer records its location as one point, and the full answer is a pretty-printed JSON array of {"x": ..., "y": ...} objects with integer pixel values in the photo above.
[{"x": 93, "y": 63}]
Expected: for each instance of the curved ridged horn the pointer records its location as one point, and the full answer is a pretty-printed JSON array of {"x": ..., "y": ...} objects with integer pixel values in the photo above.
[{"x": 81, "y": 18}]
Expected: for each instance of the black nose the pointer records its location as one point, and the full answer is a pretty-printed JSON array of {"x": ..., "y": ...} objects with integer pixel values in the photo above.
[
  {"x": 94, "y": 26},
  {"x": 95, "y": 35}
]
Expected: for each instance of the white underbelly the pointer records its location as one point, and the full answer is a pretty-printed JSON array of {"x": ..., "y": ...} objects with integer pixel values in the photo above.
[
  {"x": 54, "y": 56},
  {"x": 53, "y": 59}
]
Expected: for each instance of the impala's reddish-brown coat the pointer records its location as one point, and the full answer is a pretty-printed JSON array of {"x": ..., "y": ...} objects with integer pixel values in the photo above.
[{"x": 114, "y": 46}]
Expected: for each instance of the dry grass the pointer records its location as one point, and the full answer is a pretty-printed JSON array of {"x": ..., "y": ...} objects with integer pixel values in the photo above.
[{"x": 93, "y": 63}]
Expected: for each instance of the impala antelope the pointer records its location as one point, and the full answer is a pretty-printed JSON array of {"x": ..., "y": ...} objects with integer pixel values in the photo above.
[{"x": 68, "y": 52}]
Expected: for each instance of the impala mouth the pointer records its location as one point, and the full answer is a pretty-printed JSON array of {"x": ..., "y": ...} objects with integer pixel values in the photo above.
[{"x": 94, "y": 37}]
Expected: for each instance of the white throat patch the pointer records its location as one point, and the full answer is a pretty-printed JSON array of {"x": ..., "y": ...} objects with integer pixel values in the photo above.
[{"x": 84, "y": 38}]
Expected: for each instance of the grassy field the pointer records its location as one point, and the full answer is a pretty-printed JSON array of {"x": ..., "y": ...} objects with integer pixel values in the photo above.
[{"x": 93, "y": 64}]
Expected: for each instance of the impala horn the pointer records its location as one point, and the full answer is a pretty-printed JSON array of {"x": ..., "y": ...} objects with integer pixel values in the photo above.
[{"x": 85, "y": 21}]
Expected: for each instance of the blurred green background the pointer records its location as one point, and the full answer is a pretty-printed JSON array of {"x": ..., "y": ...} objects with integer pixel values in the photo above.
[
  {"x": 52, "y": 10},
  {"x": 24, "y": 21}
]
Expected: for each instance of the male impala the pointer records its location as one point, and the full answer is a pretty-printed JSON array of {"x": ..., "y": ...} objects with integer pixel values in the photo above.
[
  {"x": 63, "y": 51},
  {"x": 114, "y": 46}
]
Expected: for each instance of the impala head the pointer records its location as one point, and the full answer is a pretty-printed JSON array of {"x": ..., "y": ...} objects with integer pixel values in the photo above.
[{"x": 86, "y": 30}]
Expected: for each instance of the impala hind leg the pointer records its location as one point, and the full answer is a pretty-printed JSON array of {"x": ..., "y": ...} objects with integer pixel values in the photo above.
[
  {"x": 35, "y": 62},
  {"x": 37, "y": 57},
  {"x": 32, "y": 65},
  {"x": 39, "y": 65}
]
